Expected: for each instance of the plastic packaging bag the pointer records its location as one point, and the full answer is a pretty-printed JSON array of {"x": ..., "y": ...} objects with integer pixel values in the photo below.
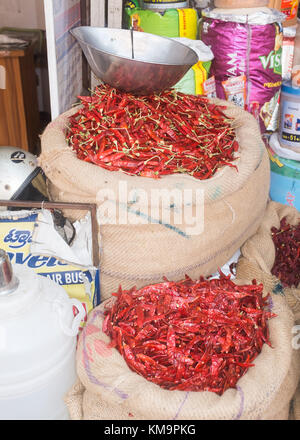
[
  {"x": 169, "y": 23},
  {"x": 289, "y": 8},
  {"x": 30, "y": 239},
  {"x": 196, "y": 81},
  {"x": 247, "y": 64}
]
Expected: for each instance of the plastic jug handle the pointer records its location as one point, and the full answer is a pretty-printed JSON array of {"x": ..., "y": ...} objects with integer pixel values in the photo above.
[{"x": 74, "y": 328}]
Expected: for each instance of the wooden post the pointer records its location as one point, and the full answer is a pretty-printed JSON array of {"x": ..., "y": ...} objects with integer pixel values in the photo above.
[
  {"x": 98, "y": 18},
  {"x": 19, "y": 115},
  {"x": 105, "y": 13},
  {"x": 98, "y": 8},
  {"x": 115, "y": 14}
]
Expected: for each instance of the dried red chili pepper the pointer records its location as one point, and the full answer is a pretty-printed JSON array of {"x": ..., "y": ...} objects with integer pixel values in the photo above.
[
  {"x": 287, "y": 253},
  {"x": 184, "y": 133},
  {"x": 190, "y": 335}
]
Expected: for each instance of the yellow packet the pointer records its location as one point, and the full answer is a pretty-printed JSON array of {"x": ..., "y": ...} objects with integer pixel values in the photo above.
[{"x": 16, "y": 231}]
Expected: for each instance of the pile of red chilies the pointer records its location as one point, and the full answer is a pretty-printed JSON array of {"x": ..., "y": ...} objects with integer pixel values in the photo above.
[
  {"x": 152, "y": 136},
  {"x": 287, "y": 253},
  {"x": 190, "y": 335}
]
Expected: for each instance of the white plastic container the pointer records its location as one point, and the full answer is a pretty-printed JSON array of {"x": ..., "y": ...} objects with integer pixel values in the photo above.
[
  {"x": 290, "y": 117},
  {"x": 37, "y": 345}
]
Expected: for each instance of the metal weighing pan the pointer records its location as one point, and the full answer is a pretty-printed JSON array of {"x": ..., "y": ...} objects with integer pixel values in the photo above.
[{"x": 133, "y": 61}]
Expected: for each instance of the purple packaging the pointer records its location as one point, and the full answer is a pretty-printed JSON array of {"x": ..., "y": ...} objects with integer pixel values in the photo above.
[{"x": 247, "y": 59}]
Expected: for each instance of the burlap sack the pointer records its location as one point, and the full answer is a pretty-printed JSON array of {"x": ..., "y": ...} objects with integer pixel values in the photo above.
[
  {"x": 295, "y": 407},
  {"x": 257, "y": 260},
  {"x": 258, "y": 254},
  {"x": 108, "y": 390},
  {"x": 141, "y": 254}
]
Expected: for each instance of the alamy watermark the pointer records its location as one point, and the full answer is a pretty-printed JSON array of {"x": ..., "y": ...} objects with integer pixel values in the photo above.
[{"x": 179, "y": 209}]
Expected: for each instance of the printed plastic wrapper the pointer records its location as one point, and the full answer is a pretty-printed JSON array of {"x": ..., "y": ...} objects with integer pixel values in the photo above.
[
  {"x": 287, "y": 7},
  {"x": 247, "y": 63},
  {"x": 196, "y": 81},
  {"x": 288, "y": 45},
  {"x": 296, "y": 59},
  {"x": 171, "y": 23},
  {"x": 235, "y": 90},
  {"x": 30, "y": 239},
  {"x": 209, "y": 87},
  {"x": 228, "y": 268}
]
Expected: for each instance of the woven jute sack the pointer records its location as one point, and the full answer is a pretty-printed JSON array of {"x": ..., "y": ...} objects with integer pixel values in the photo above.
[
  {"x": 258, "y": 254},
  {"x": 295, "y": 407},
  {"x": 256, "y": 262},
  {"x": 107, "y": 389},
  {"x": 148, "y": 247}
]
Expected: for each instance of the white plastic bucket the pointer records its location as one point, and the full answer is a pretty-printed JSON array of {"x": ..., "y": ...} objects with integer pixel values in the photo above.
[{"x": 285, "y": 180}]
